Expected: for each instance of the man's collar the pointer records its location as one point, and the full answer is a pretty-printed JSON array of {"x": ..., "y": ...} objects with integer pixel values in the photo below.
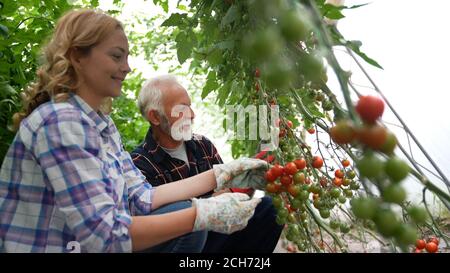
[{"x": 157, "y": 152}]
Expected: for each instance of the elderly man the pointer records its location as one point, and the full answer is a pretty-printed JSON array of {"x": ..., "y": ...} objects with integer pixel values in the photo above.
[{"x": 171, "y": 152}]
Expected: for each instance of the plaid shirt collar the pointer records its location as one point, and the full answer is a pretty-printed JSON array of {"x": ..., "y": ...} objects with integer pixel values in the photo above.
[
  {"x": 159, "y": 155},
  {"x": 100, "y": 121}
]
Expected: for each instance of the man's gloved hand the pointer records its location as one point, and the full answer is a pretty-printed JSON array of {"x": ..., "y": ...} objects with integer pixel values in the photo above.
[
  {"x": 241, "y": 173},
  {"x": 225, "y": 213}
]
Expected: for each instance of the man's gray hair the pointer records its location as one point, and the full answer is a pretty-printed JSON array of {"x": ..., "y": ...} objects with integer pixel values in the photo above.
[{"x": 150, "y": 96}]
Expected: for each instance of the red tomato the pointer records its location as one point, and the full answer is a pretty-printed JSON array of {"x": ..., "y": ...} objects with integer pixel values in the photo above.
[
  {"x": 257, "y": 73},
  {"x": 261, "y": 154},
  {"x": 300, "y": 163},
  {"x": 339, "y": 173},
  {"x": 289, "y": 124},
  {"x": 290, "y": 168},
  {"x": 373, "y": 136},
  {"x": 317, "y": 162},
  {"x": 293, "y": 189},
  {"x": 420, "y": 244},
  {"x": 343, "y": 132},
  {"x": 345, "y": 163},
  {"x": 269, "y": 158},
  {"x": 273, "y": 187},
  {"x": 277, "y": 170},
  {"x": 337, "y": 182},
  {"x": 431, "y": 247},
  {"x": 434, "y": 240},
  {"x": 270, "y": 176},
  {"x": 369, "y": 108},
  {"x": 286, "y": 179},
  {"x": 311, "y": 130}
]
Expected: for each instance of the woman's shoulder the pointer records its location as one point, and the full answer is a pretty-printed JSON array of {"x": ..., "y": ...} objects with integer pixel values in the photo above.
[{"x": 52, "y": 112}]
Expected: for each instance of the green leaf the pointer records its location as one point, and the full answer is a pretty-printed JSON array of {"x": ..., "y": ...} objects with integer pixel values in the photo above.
[
  {"x": 283, "y": 100},
  {"x": 214, "y": 57},
  {"x": 4, "y": 31},
  {"x": 334, "y": 13},
  {"x": 42, "y": 10},
  {"x": 229, "y": 44},
  {"x": 176, "y": 19},
  {"x": 182, "y": 7},
  {"x": 94, "y": 3},
  {"x": 311, "y": 106},
  {"x": 231, "y": 15},
  {"x": 165, "y": 6},
  {"x": 10, "y": 7},
  {"x": 6, "y": 89},
  {"x": 355, "y": 45},
  {"x": 163, "y": 3},
  {"x": 224, "y": 91},
  {"x": 211, "y": 84},
  {"x": 184, "y": 47}
]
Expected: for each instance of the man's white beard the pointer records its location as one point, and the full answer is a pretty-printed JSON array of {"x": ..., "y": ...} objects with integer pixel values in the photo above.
[{"x": 180, "y": 129}]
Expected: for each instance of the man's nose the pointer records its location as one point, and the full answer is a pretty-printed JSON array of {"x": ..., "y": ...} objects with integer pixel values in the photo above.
[{"x": 192, "y": 113}]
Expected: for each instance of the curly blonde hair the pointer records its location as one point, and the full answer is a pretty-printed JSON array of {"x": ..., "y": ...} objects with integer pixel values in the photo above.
[{"x": 56, "y": 77}]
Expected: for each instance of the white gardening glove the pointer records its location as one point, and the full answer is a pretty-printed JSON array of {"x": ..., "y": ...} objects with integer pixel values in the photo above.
[
  {"x": 225, "y": 213},
  {"x": 241, "y": 173}
]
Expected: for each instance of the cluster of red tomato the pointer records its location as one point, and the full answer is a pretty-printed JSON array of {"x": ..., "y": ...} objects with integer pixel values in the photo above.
[
  {"x": 290, "y": 176},
  {"x": 431, "y": 246},
  {"x": 371, "y": 133},
  {"x": 387, "y": 175}
]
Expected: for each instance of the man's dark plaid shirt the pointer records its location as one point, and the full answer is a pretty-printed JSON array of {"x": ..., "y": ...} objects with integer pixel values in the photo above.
[{"x": 160, "y": 168}]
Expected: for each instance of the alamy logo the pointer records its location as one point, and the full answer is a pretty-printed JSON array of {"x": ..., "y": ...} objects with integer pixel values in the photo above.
[
  {"x": 73, "y": 247},
  {"x": 258, "y": 122}
]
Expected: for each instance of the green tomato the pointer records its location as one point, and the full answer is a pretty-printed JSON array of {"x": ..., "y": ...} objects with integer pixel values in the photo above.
[
  {"x": 348, "y": 193},
  {"x": 396, "y": 169},
  {"x": 292, "y": 26},
  {"x": 406, "y": 235},
  {"x": 335, "y": 193},
  {"x": 418, "y": 214},
  {"x": 277, "y": 202},
  {"x": 296, "y": 203},
  {"x": 386, "y": 222},
  {"x": 394, "y": 193},
  {"x": 370, "y": 166},
  {"x": 262, "y": 44},
  {"x": 324, "y": 213},
  {"x": 334, "y": 224},
  {"x": 364, "y": 208},
  {"x": 304, "y": 195},
  {"x": 344, "y": 228}
]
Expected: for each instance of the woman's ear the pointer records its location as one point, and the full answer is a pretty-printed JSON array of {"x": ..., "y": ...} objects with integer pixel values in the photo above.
[
  {"x": 153, "y": 117},
  {"x": 75, "y": 56}
]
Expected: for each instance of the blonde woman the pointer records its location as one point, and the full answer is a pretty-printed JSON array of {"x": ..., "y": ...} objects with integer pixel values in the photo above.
[{"x": 66, "y": 178}]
